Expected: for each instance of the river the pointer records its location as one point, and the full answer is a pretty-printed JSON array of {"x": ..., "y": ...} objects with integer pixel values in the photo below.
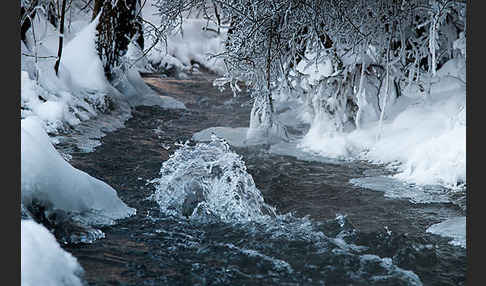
[{"x": 317, "y": 229}]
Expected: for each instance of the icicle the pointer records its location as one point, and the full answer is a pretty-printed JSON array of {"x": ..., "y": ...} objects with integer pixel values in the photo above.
[
  {"x": 433, "y": 45},
  {"x": 361, "y": 95},
  {"x": 385, "y": 99}
]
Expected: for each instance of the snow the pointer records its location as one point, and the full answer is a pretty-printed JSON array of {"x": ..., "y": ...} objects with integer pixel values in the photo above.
[
  {"x": 425, "y": 135},
  {"x": 137, "y": 93},
  {"x": 197, "y": 42},
  {"x": 52, "y": 112},
  {"x": 81, "y": 91},
  {"x": 82, "y": 61},
  {"x": 315, "y": 67},
  {"x": 47, "y": 177},
  {"x": 78, "y": 92},
  {"x": 73, "y": 100},
  {"x": 43, "y": 261},
  {"x": 454, "y": 228}
]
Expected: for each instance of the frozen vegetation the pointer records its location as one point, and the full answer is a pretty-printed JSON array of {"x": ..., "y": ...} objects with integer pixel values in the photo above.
[
  {"x": 426, "y": 135},
  {"x": 362, "y": 93}
]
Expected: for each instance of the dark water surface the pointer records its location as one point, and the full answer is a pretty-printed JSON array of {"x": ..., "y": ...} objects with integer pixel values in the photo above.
[{"x": 338, "y": 233}]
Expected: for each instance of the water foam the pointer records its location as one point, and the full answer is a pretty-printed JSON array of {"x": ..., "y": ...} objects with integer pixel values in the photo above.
[{"x": 209, "y": 180}]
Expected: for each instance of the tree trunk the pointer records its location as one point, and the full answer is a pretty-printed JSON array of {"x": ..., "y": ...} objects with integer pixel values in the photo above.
[
  {"x": 117, "y": 27},
  {"x": 26, "y": 14},
  {"x": 61, "y": 37},
  {"x": 97, "y": 8}
]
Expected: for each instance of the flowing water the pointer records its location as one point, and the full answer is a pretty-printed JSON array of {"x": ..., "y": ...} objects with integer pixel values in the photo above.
[{"x": 212, "y": 214}]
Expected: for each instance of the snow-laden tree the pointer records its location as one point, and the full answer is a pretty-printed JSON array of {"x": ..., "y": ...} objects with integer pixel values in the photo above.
[{"x": 376, "y": 50}]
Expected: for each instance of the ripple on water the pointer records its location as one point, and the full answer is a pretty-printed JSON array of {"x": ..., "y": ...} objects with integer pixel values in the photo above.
[{"x": 208, "y": 184}]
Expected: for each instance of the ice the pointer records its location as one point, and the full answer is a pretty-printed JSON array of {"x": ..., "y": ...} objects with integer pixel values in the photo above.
[
  {"x": 323, "y": 139},
  {"x": 394, "y": 188},
  {"x": 43, "y": 261},
  {"x": 47, "y": 177},
  {"x": 234, "y": 136},
  {"x": 454, "y": 228},
  {"x": 292, "y": 149}
]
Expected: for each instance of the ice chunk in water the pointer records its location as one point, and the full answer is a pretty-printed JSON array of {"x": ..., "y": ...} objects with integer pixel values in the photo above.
[
  {"x": 394, "y": 188},
  {"x": 454, "y": 228}
]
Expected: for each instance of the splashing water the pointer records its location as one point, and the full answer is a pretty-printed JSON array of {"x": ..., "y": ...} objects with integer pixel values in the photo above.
[
  {"x": 209, "y": 180},
  {"x": 208, "y": 183}
]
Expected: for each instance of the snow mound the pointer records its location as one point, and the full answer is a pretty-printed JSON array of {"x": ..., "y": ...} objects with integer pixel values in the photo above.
[
  {"x": 425, "y": 135},
  {"x": 47, "y": 177},
  {"x": 80, "y": 58},
  {"x": 79, "y": 91},
  {"x": 454, "y": 228},
  {"x": 43, "y": 261}
]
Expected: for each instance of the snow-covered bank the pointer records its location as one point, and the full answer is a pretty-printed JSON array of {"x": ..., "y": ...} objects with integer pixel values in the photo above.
[
  {"x": 73, "y": 101},
  {"x": 47, "y": 177},
  {"x": 80, "y": 91},
  {"x": 52, "y": 103},
  {"x": 43, "y": 261},
  {"x": 196, "y": 42},
  {"x": 424, "y": 136}
]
